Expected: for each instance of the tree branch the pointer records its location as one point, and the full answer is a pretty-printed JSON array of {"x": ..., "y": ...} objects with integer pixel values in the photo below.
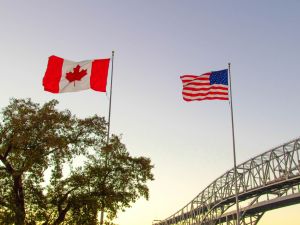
[
  {"x": 65, "y": 196},
  {"x": 9, "y": 148},
  {"x": 62, "y": 214},
  {"x": 7, "y": 165}
]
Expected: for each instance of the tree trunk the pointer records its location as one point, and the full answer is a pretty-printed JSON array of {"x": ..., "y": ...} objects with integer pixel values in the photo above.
[
  {"x": 19, "y": 200},
  {"x": 62, "y": 215},
  {"x": 60, "y": 219},
  {"x": 102, "y": 217}
]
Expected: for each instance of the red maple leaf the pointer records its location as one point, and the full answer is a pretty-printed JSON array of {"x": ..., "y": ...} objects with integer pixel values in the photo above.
[{"x": 76, "y": 74}]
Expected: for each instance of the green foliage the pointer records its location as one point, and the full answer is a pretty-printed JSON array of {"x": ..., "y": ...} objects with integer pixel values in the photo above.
[{"x": 35, "y": 139}]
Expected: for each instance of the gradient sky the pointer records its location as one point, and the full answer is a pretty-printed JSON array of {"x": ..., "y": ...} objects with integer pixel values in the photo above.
[{"x": 155, "y": 42}]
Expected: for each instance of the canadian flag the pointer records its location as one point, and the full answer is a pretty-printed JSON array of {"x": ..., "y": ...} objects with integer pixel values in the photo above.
[{"x": 67, "y": 76}]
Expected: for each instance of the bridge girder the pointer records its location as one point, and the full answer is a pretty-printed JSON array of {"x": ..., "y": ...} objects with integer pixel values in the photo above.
[{"x": 261, "y": 180}]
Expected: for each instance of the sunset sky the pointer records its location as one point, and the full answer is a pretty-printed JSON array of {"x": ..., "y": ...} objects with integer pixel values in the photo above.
[{"x": 155, "y": 42}]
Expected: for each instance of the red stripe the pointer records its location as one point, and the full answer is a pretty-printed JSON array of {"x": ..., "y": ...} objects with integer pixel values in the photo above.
[
  {"x": 205, "y": 89},
  {"x": 187, "y": 82},
  {"x": 204, "y": 94},
  {"x": 99, "y": 74},
  {"x": 194, "y": 76},
  {"x": 197, "y": 78},
  {"x": 204, "y": 83},
  {"x": 188, "y": 76},
  {"x": 207, "y": 98},
  {"x": 53, "y": 74},
  {"x": 190, "y": 81}
]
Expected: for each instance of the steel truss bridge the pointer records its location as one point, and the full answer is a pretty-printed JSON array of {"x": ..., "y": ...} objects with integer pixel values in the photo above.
[{"x": 268, "y": 181}]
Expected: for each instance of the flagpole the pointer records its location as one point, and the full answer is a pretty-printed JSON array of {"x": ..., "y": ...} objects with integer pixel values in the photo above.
[
  {"x": 234, "y": 154},
  {"x": 110, "y": 95},
  {"x": 108, "y": 125}
]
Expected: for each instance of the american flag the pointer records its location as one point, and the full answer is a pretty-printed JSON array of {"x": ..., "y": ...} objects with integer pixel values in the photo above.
[{"x": 208, "y": 86}]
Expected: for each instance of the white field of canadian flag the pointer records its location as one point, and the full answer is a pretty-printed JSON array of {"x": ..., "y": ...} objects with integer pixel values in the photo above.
[{"x": 68, "y": 76}]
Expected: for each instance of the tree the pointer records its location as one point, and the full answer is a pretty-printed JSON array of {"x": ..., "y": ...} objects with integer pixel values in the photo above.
[
  {"x": 34, "y": 139},
  {"x": 116, "y": 179},
  {"x": 29, "y": 136}
]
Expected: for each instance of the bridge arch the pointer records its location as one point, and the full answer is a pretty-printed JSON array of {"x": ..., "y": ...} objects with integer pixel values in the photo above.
[{"x": 267, "y": 181}]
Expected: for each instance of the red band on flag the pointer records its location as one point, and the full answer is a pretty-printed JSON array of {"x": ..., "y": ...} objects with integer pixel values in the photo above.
[
  {"x": 99, "y": 74},
  {"x": 53, "y": 74}
]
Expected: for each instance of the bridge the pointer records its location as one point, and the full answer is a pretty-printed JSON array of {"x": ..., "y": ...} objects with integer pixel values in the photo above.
[{"x": 268, "y": 181}]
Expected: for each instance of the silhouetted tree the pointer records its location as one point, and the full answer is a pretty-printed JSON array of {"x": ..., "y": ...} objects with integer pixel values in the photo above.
[{"x": 35, "y": 139}]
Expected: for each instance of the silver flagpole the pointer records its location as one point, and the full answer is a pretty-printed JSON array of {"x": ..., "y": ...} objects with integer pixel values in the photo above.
[
  {"x": 110, "y": 95},
  {"x": 108, "y": 125},
  {"x": 234, "y": 155}
]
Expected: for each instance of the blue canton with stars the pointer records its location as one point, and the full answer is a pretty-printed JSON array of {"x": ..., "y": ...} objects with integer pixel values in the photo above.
[{"x": 219, "y": 77}]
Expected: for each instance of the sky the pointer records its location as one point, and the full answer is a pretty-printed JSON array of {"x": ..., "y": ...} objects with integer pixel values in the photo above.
[{"x": 155, "y": 42}]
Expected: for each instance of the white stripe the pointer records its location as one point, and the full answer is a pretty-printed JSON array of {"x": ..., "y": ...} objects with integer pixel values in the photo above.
[
  {"x": 205, "y": 86},
  {"x": 204, "y": 91},
  {"x": 196, "y": 82},
  {"x": 197, "y": 86}
]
